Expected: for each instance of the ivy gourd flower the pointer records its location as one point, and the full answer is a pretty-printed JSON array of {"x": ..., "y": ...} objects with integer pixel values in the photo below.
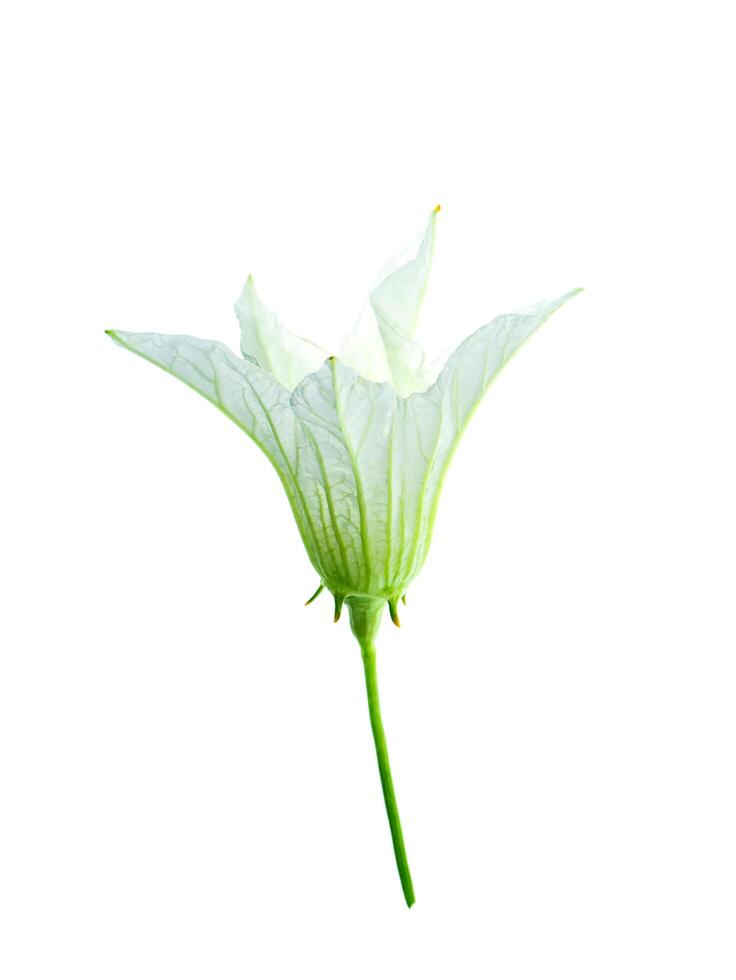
[{"x": 360, "y": 441}]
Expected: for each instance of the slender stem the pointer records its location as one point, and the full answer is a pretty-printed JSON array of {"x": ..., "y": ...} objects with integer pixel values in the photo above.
[{"x": 368, "y": 651}]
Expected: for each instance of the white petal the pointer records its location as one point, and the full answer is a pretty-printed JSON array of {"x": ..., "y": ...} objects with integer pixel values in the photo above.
[
  {"x": 343, "y": 468},
  {"x": 267, "y": 342},
  {"x": 458, "y": 391},
  {"x": 246, "y": 394},
  {"x": 381, "y": 347},
  {"x": 474, "y": 364}
]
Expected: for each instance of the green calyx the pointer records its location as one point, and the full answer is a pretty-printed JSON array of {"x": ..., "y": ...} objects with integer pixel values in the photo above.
[{"x": 360, "y": 602}]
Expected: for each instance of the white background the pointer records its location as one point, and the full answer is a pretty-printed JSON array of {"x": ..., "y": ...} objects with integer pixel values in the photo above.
[{"x": 187, "y": 774}]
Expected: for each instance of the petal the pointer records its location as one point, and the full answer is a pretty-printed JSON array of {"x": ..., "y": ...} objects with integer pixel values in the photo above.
[
  {"x": 474, "y": 364},
  {"x": 270, "y": 345},
  {"x": 348, "y": 425},
  {"x": 397, "y": 298},
  {"x": 246, "y": 394},
  {"x": 458, "y": 391},
  {"x": 381, "y": 347}
]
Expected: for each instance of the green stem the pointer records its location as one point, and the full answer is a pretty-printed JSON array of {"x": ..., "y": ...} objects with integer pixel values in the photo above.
[
  {"x": 387, "y": 783},
  {"x": 364, "y": 622}
]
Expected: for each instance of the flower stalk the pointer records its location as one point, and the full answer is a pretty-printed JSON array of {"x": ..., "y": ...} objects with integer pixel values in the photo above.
[{"x": 365, "y": 618}]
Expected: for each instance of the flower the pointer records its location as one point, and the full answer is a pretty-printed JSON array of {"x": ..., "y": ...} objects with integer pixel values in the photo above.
[{"x": 361, "y": 441}]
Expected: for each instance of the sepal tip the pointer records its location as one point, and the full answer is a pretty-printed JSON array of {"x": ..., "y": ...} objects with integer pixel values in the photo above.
[
  {"x": 394, "y": 612},
  {"x": 312, "y": 597}
]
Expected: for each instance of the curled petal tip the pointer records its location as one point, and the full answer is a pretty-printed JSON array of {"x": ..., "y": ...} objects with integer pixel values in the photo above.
[{"x": 338, "y": 608}]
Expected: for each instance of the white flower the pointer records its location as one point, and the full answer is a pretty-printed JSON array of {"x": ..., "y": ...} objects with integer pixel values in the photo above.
[{"x": 361, "y": 441}]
